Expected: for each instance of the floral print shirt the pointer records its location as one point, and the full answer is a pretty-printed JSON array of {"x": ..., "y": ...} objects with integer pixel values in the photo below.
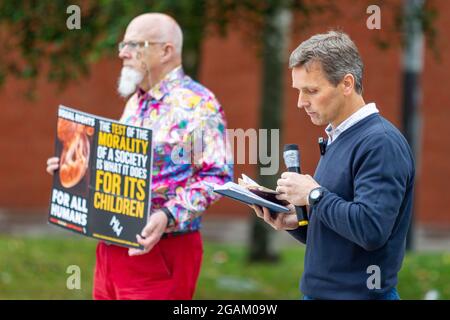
[{"x": 189, "y": 146}]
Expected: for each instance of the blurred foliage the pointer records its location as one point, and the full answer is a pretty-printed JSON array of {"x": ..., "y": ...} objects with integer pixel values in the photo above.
[
  {"x": 395, "y": 33},
  {"x": 38, "y": 29},
  {"x": 35, "y": 39}
]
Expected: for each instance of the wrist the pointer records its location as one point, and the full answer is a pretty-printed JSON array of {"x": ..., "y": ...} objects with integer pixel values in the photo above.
[{"x": 170, "y": 218}]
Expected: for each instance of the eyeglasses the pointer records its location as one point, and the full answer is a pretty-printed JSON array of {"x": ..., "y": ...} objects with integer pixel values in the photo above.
[{"x": 133, "y": 45}]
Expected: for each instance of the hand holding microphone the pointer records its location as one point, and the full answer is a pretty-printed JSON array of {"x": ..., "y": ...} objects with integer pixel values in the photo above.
[{"x": 293, "y": 186}]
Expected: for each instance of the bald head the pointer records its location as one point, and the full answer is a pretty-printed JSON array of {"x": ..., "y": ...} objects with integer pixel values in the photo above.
[
  {"x": 157, "y": 27},
  {"x": 151, "y": 48}
]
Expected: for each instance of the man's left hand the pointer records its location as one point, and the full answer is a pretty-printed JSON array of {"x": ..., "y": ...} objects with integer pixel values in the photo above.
[
  {"x": 295, "y": 188},
  {"x": 151, "y": 234}
]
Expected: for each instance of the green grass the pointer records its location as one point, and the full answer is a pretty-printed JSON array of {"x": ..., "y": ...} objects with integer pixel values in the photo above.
[{"x": 35, "y": 268}]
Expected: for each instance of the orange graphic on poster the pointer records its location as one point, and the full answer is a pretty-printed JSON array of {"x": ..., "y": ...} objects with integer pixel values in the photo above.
[{"x": 74, "y": 158}]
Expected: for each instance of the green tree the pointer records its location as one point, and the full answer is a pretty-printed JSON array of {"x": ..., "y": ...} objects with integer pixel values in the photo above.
[{"x": 35, "y": 39}]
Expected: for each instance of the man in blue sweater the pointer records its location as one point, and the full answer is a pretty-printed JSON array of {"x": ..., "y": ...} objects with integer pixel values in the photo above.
[{"x": 360, "y": 198}]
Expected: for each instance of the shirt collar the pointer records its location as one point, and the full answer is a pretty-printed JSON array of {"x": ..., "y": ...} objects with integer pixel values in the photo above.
[
  {"x": 360, "y": 114},
  {"x": 159, "y": 90}
]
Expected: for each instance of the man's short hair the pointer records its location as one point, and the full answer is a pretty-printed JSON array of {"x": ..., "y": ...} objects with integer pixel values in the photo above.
[{"x": 336, "y": 53}]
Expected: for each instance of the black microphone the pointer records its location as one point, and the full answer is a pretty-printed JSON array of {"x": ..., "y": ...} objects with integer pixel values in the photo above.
[
  {"x": 322, "y": 146},
  {"x": 291, "y": 157}
]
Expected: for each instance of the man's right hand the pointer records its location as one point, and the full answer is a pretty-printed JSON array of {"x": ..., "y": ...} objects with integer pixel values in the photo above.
[
  {"x": 52, "y": 165},
  {"x": 279, "y": 221}
]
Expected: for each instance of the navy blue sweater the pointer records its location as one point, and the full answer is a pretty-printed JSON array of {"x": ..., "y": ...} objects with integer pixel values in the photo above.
[{"x": 364, "y": 215}]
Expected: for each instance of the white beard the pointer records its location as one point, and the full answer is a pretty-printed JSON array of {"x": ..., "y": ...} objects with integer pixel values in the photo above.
[{"x": 129, "y": 81}]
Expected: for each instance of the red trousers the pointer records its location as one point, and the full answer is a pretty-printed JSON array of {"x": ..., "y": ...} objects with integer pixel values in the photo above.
[{"x": 169, "y": 271}]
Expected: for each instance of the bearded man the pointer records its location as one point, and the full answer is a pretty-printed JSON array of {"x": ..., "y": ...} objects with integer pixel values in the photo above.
[{"x": 176, "y": 108}]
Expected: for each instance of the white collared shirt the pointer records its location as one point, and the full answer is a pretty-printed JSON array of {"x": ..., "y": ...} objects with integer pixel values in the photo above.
[{"x": 362, "y": 113}]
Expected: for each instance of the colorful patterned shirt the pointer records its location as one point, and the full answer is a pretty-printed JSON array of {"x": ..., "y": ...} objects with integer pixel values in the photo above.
[{"x": 189, "y": 146}]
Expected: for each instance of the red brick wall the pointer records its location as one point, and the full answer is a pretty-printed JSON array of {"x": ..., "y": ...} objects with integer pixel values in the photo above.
[
  {"x": 433, "y": 204},
  {"x": 231, "y": 69},
  {"x": 27, "y": 130}
]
